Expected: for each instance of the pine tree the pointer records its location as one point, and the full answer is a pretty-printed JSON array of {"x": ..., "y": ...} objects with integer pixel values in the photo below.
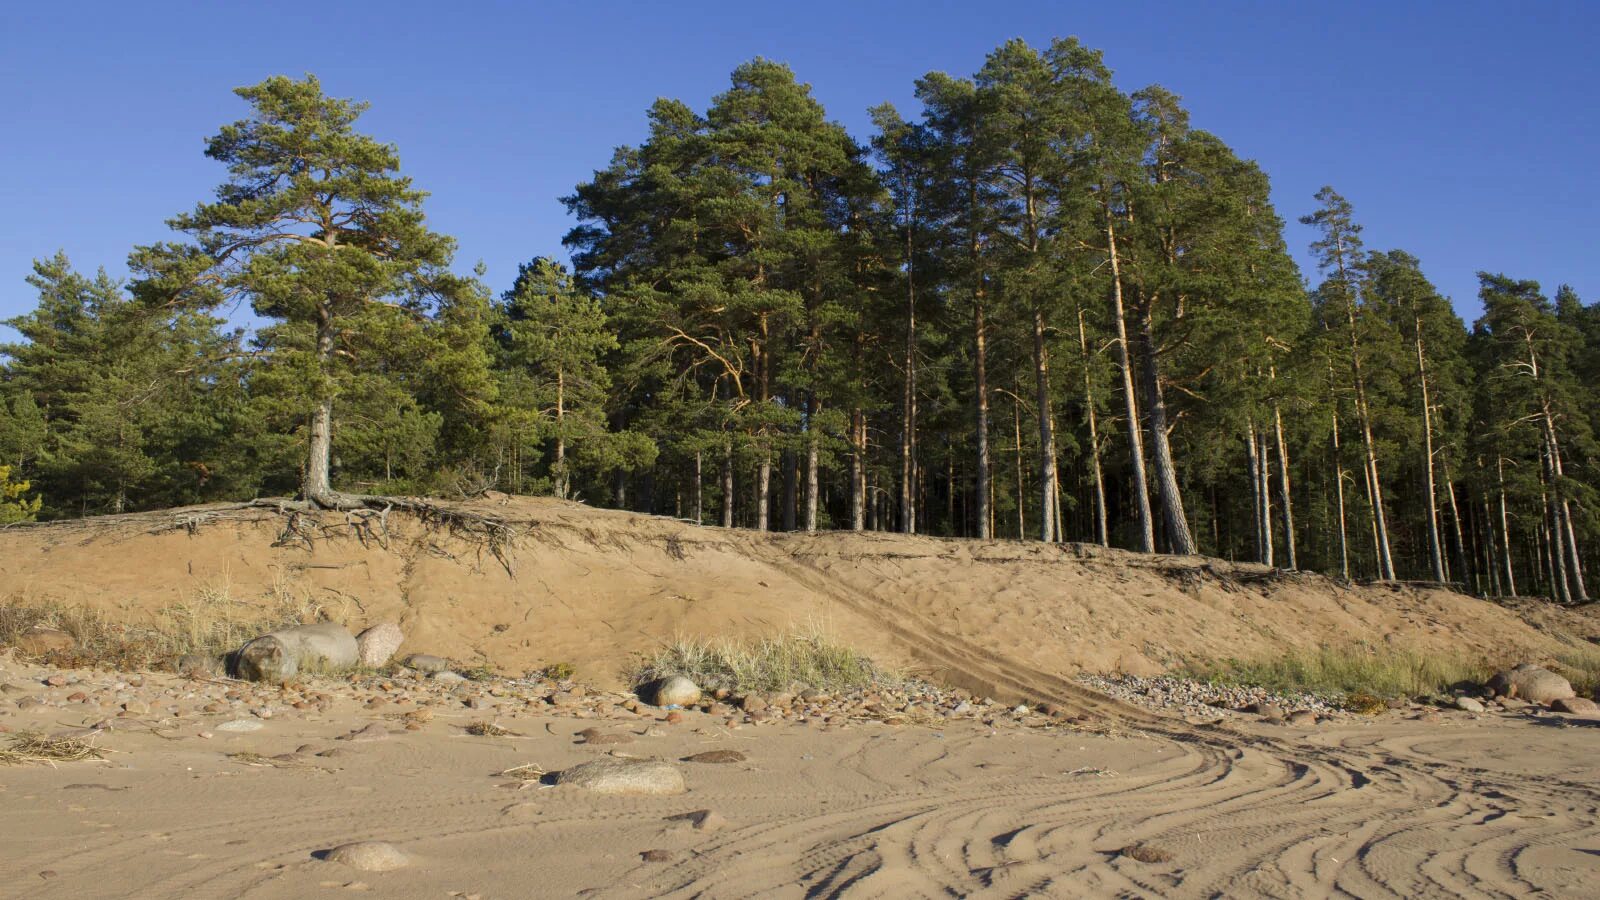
[{"x": 317, "y": 228}]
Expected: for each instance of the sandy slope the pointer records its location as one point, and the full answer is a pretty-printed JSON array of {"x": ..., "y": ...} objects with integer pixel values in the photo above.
[
  {"x": 592, "y": 587},
  {"x": 1492, "y": 806}
]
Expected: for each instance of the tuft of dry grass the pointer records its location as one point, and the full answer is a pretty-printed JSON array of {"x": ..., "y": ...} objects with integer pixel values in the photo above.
[
  {"x": 484, "y": 728},
  {"x": 1351, "y": 670},
  {"x": 212, "y": 622},
  {"x": 34, "y": 747},
  {"x": 524, "y": 776},
  {"x": 796, "y": 660}
]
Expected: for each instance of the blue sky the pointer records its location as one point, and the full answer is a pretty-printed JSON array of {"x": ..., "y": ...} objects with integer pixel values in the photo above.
[{"x": 1463, "y": 132}]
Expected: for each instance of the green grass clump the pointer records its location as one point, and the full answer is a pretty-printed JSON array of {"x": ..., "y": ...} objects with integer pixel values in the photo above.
[
  {"x": 1377, "y": 672},
  {"x": 786, "y": 662}
]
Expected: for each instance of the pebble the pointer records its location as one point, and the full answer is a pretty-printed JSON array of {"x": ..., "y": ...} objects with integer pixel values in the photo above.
[
  {"x": 1198, "y": 698},
  {"x": 239, "y": 726}
]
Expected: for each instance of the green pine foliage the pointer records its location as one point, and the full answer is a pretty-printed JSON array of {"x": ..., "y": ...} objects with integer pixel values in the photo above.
[{"x": 1037, "y": 306}]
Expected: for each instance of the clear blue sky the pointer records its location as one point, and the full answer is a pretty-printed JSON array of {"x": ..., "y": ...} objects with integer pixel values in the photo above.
[{"x": 1464, "y": 132}]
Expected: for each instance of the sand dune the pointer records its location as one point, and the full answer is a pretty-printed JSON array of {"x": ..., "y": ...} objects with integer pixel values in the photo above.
[{"x": 593, "y": 587}]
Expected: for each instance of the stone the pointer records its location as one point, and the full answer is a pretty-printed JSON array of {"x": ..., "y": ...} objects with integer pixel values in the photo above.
[
  {"x": 1265, "y": 710},
  {"x": 1468, "y": 704},
  {"x": 240, "y": 726},
  {"x": 283, "y": 654},
  {"x": 612, "y": 775},
  {"x": 199, "y": 665},
  {"x": 378, "y": 644},
  {"x": 752, "y": 703},
  {"x": 448, "y": 677},
  {"x": 703, "y": 820},
  {"x": 1302, "y": 718},
  {"x": 716, "y": 756},
  {"x": 674, "y": 690},
  {"x": 1534, "y": 684},
  {"x": 427, "y": 664},
  {"x": 603, "y": 738},
  {"x": 1577, "y": 706},
  {"x": 659, "y": 856},
  {"x": 37, "y": 641},
  {"x": 369, "y": 856}
]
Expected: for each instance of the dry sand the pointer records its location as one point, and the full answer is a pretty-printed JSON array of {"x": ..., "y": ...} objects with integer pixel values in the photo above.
[
  {"x": 1406, "y": 804},
  {"x": 1494, "y": 805}
]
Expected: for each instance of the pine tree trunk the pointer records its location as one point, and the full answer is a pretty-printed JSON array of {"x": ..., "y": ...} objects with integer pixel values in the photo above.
[
  {"x": 811, "y": 468},
  {"x": 1258, "y": 502},
  {"x": 1338, "y": 483},
  {"x": 763, "y": 491},
  {"x": 908, "y": 422},
  {"x": 1455, "y": 521},
  {"x": 1266, "y": 503},
  {"x": 1563, "y": 508},
  {"x": 727, "y": 485},
  {"x": 1141, "y": 491},
  {"x": 981, "y": 389},
  {"x": 1505, "y": 527},
  {"x": 1285, "y": 497},
  {"x": 1101, "y": 532},
  {"x": 699, "y": 488},
  {"x": 1180, "y": 539},
  {"x": 1047, "y": 437},
  {"x": 1435, "y": 544},
  {"x": 1016, "y": 425},
  {"x": 317, "y": 484},
  {"x": 858, "y": 472}
]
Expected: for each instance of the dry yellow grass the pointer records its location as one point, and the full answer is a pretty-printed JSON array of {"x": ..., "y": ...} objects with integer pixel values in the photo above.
[{"x": 796, "y": 660}]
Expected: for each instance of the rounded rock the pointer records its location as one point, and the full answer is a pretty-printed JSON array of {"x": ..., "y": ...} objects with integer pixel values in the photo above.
[
  {"x": 369, "y": 856},
  {"x": 674, "y": 690},
  {"x": 378, "y": 644},
  {"x": 612, "y": 775}
]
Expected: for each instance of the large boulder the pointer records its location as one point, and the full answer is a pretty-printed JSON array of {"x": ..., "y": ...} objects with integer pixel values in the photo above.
[
  {"x": 378, "y": 644},
  {"x": 674, "y": 690},
  {"x": 301, "y": 650},
  {"x": 1577, "y": 706},
  {"x": 614, "y": 775},
  {"x": 1534, "y": 684}
]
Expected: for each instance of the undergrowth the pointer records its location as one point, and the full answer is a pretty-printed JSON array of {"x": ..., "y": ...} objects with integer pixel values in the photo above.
[
  {"x": 798, "y": 660},
  {"x": 1351, "y": 670},
  {"x": 212, "y": 622}
]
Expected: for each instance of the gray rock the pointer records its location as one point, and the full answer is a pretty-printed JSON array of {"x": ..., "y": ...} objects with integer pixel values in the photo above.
[
  {"x": 1534, "y": 684},
  {"x": 241, "y": 726},
  {"x": 369, "y": 856},
  {"x": 611, "y": 775},
  {"x": 37, "y": 641},
  {"x": 449, "y": 677},
  {"x": 705, "y": 820},
  {"x": 423, "y": 662},
  {"x": 377, "y": 645},
  {"x": 1577, "y": 706},
  {"x": 1468, "y": 704},
  {"x": 303, "y": 649},
  {"x": 674, "y": 690},
  {"x": 202, "y": 665}
]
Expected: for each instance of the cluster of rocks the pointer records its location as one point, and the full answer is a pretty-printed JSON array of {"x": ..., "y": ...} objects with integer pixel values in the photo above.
[
  {"x": 1189, "y": 697},
  {"x": 1515, "y": 690}
]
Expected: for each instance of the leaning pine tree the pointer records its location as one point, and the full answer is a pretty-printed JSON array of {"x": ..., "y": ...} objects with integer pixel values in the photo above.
[{"x": 316, "y": 228}]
